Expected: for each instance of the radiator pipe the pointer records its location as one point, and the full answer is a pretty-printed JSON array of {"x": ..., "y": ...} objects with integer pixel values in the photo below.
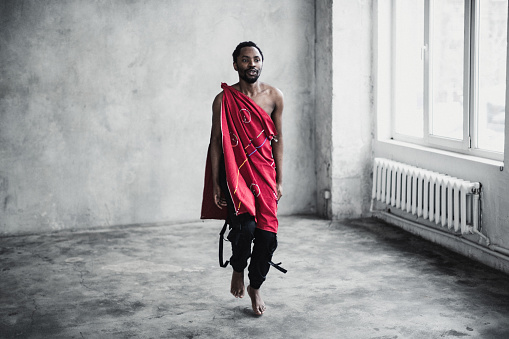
[
  {"x": 499, "y": 249},
  {"x": 494, "y": 250},
  {"x": 476, "y": 231},
  {"x": 491, "y": 247}
]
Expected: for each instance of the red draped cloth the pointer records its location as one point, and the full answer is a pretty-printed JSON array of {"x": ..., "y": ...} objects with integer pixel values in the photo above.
[{"x": 247, "y": 131}]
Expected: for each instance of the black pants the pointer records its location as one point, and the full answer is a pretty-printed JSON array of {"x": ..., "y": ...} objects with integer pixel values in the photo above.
[{"x": 243, "y": 232}]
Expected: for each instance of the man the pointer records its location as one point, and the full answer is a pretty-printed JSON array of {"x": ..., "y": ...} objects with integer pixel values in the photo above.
[{"x": 244, "y": 174}]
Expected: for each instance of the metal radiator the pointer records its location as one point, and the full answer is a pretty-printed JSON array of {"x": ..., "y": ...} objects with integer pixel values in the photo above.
[{"x": 451, "y": 202}]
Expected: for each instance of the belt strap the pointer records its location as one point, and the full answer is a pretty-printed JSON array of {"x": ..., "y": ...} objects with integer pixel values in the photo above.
[
  {"x": 221, "y": 239},
  {"x": 276, "y": 266}
]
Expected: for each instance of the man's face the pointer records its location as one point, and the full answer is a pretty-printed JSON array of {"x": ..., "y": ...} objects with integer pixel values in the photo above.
[{"x": 249, "y": 64}]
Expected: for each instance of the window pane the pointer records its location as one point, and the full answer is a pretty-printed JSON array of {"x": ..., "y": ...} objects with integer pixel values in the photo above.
[
  {"x": 446, "y": 111},
  {"x": 492, "y": 74},
  {"x": 408, "y": 69}
]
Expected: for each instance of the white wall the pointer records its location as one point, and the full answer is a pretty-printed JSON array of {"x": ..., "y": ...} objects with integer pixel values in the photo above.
[{"x": 105, "y": 107}]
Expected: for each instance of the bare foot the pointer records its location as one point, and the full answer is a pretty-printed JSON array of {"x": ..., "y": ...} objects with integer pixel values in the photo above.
[
  {"x": 256, "y": 300},
  {"x": 237, "y": 285}
]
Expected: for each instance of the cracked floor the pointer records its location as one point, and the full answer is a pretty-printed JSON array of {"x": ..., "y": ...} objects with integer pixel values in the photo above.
[{"x": 354, "y": 279}]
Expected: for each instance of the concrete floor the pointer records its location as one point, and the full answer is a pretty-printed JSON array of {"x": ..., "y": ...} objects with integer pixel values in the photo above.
[{"x": 356, "y": 279}]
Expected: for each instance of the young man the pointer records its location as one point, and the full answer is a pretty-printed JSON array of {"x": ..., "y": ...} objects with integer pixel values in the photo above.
[{"x": 244, "y": 174}]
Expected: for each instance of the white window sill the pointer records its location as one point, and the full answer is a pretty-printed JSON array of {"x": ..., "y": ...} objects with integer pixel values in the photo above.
[{"x": 389, "y": 143}]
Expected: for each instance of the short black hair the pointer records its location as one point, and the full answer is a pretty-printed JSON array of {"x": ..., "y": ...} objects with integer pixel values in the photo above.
[{"x": 236, "y": 52}]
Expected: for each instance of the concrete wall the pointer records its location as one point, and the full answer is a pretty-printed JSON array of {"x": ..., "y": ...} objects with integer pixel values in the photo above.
[
  {"x": 352, "y": 117},
  {"x": 343, "y": 107},
  {"x": 105, "y": 111},
  {"x": 323, "y": 106},
  {"x": 105, "y": 107}
]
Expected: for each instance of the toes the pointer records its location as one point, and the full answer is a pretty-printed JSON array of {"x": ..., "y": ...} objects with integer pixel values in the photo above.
[
  {"x": 259, "y": 310},
  {"x": 237, "y": 293}
]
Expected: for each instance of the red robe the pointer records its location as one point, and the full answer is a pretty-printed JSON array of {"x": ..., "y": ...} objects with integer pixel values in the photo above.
[{"x": 247, "y": 131}]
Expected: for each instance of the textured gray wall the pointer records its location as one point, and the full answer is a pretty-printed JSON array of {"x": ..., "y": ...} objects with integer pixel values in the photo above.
[
  {"x": 323, "y": 106},
  {"x": 352, "y": 107},
  {"x": 105, "y": 107}
]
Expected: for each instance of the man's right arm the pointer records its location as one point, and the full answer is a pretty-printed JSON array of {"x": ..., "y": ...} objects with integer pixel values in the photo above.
[{"x": 216, "y": 150}]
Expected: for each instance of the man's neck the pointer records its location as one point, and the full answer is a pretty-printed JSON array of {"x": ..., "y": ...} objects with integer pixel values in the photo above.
[{"x": 249, "y": 89}]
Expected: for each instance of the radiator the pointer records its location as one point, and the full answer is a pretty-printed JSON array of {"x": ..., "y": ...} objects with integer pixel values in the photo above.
[{"x": 447, "y": 201}]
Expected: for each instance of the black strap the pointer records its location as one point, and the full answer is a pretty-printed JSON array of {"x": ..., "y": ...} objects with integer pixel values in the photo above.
[
  {"x": 221, "y": 239},
  {"x": 224, "y": 264},
  {"x": 276, "y": 266}
]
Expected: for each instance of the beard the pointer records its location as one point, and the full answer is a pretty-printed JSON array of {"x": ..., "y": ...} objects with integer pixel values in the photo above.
[{"x": 249, "y": 79}]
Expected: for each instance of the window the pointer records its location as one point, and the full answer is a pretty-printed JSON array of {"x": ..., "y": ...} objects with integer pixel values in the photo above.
[{"x": 447, "y": 72}]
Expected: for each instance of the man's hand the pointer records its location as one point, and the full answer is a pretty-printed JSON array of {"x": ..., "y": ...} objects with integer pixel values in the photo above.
[
  {"x": 279, "y": 188},
  {"x": 219, "y": 199}
]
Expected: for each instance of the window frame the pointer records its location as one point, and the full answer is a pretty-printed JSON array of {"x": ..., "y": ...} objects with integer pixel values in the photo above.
[{"x": 468, "y": 144}]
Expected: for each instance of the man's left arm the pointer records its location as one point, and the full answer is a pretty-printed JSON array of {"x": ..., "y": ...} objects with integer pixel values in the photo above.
[{"x": 277, "y": 147}]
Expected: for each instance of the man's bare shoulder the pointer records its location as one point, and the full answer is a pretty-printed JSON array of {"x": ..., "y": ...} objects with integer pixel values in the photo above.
[
  {"x": 216, "y": 104},
  {"x": 218, "y": 98},
  {"x": 273, "y": 92}
]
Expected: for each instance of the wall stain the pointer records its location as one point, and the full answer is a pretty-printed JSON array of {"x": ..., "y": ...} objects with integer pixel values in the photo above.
[
  {"x": 4, "y": 187},
  {"x": 6, "y": 202}
]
